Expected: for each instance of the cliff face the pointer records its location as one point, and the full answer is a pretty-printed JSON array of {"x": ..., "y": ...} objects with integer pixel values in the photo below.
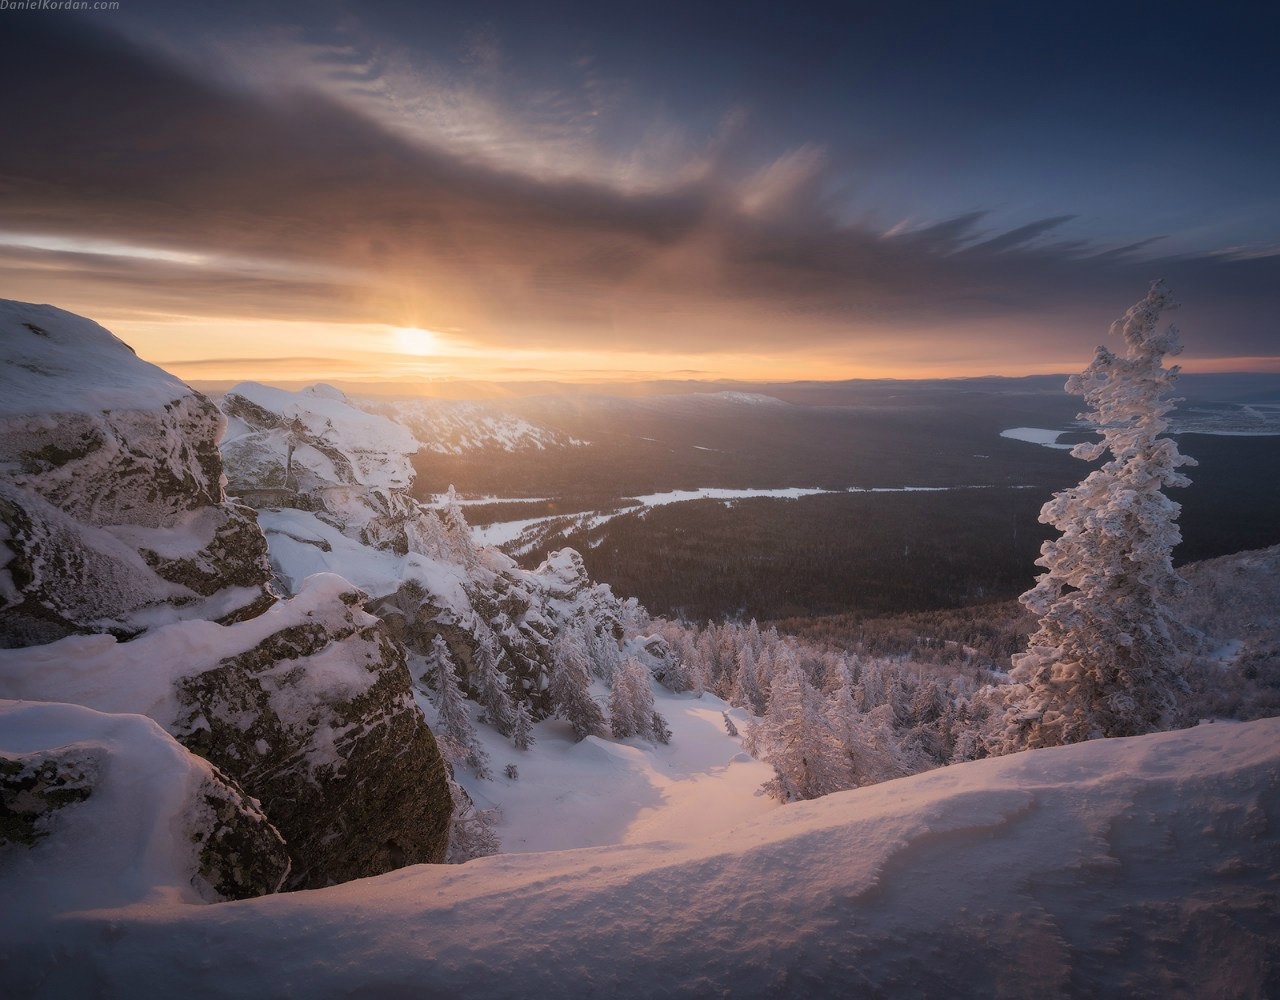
[{"x": 113, "y": 519}]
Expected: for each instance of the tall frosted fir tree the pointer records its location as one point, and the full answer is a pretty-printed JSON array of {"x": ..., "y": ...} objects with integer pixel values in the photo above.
[{"x": 1103, "y": 660}]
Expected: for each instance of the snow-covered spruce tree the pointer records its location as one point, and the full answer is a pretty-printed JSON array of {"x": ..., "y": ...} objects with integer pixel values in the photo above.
[
  {"x": 522, "y": 728},
  {"x": 602, "y": 649},
  {"x": 570, "y": 688},
  {"x": 871, "y": 749},
  {"x": 457, "y": 532},
  {"x": 489, "y": 682},
  {"x": 454, "y": 732},
  {"x": 1103, "y": 662},
  {"x": 797, "y": 740},
  {"x": 631, "y": 711}
]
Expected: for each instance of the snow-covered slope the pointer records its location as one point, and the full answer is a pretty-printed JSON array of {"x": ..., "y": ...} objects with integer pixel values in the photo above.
[
  {"x": 55, "y": 362},
  {"x": 1141, "y": 867},
  {"x": 570, "y": 794}
]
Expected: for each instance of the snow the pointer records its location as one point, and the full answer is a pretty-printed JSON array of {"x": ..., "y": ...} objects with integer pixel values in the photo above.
[
  {"x": 740, "y": 398},
  {"x": 1036, "y": 435},
  {"x": 456, "y": 427},
  {"x": 379, "y": 449},
  {"x": 713, "y": 493},
  {"x": 440, "y": 499},
  {"x": 505, "y": 532},
  {"x": 123, "y": 844},
  {"x": 69, "y": 364},
  {"x": 601, "y": 791},
  {"x": 302, "y": 544},
  {"x": 138, "y": 677},
  {"x": 1138, "y": 866}
]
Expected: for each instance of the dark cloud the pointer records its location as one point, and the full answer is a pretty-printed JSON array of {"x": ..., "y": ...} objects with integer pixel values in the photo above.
[{"x": 305, "y": 209}]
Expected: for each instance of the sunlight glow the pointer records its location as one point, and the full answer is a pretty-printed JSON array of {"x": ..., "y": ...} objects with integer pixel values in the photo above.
[{"x": 414, "y": 340}]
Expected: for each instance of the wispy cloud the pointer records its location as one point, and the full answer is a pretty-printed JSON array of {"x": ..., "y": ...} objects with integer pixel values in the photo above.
[{"x": 351, "y": 185}]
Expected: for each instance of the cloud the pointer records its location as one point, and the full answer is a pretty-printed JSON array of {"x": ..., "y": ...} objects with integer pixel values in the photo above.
[{"x": 513, "y": 225}]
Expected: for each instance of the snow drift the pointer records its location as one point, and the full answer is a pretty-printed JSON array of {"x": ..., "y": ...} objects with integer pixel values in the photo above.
[{"x": 1142, "y": 867}]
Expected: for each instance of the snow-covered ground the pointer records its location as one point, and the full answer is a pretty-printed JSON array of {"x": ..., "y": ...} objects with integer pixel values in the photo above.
[
  {"x": 303, "y": 544},
  {"x": 1137, "y": 867},
  {"x": 604, "y": 791}
]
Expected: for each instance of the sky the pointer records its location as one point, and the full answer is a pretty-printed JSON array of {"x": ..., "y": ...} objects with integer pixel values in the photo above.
[{"x": 399, "y": 190}]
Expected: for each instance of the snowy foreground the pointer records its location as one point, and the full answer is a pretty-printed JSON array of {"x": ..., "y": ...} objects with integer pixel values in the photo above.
[{"x": 1142, "y": 867}]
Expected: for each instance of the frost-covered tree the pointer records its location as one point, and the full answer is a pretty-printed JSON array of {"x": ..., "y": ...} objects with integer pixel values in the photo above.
[
  {"x": 602, "y": 649},
  {"x": 634, "y": 617},
  {"x": 1103, "y": 661},
  {"x": 570, "y": 687},
  {"x": 659, "y": 731},
  {"x": 797, "y": 740},
  {"x": 471, "y": 833},
  {"x": 870, "y": 746},
  {"x": 489, "y": 682},
  {"x": 457, "y": 532},
  {"x": 746, "y": 688},
  {"x": 522, "y": 727},
  {"x": 454, "y": 732},
  {"x": 679, "y": 674},
  {"x": 631, "y": 711}
]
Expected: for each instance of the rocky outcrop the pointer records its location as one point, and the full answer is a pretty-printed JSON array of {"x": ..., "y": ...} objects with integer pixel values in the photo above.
[
  {"x": 319, "y": 721},
  {"x": 112, "y": 516},
  {"x": 113, "y": 521},
  {"x": 115, "y": 797},
  {"x": 333, "y": 481},
  {"x": 520, "y": 611},
  {"x": 307, "y": 706}
]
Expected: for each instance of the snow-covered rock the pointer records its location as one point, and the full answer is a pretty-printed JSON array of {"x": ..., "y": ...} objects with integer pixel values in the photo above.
[
  {"x": 308, "y": 706},
  {"x": 112, "y": 515},
  {"x": 113, "y": 520},
  {"x": 296, "y": 455},
  {"x": 108, "y": 810},
  {"x": 315, "y": 451},
  {"x": 1130, "y": 867}
]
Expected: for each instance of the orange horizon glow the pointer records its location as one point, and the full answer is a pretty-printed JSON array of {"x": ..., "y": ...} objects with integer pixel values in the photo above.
[{"x": 215, "y": 350}]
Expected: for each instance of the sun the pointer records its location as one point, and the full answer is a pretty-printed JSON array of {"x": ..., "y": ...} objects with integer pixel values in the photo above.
[{"x": 414, "y": 340}]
